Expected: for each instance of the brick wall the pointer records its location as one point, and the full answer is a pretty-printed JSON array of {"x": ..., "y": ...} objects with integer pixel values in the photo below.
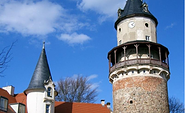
[{"x": 141, "y": 94}]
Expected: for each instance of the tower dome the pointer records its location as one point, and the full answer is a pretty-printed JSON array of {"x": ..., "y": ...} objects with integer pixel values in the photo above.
[{"x": 134, "y": 8}]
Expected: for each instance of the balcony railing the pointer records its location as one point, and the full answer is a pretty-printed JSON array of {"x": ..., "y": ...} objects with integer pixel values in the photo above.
[{"x": 147, "y": 61}]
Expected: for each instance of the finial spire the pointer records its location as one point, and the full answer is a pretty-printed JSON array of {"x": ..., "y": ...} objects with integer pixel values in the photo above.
[
  {"x": 43, "y": 47},
  {"x": 41, "y": 73}
]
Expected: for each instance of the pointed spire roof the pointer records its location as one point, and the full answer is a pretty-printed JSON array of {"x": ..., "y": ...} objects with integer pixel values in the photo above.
[
  {"x": 134, "y": 8},
  {"x": 41, "y": 73}
]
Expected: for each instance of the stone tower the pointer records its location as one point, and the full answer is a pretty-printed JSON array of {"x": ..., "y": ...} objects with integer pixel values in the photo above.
[
  {"x": 41, "y": 90},
  {"x": 138, "y": 66}
]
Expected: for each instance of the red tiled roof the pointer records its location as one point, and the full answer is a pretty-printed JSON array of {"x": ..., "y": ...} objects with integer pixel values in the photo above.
[
  {"x": 60, "y": 107},
  {"x": 21, "y": 98},
  {"x": 75, "y": 107},
  {"x": 10, "y": 98}
]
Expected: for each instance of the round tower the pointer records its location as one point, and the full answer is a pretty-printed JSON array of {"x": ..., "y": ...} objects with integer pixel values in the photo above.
[
  {"x": 41, "y": 90},
  {"x": 138, "y": 66}
]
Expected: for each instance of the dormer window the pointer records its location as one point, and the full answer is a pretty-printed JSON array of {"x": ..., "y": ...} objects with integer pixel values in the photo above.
[
  {"x": 145, "y": 7},
  {"x": 21, "y": 108},
  {"x": 49, "y": 92},
  {"x": 3, "y": 104},
  {"x": 18, "y": 107},
  {"x": 119, "y": 12}
]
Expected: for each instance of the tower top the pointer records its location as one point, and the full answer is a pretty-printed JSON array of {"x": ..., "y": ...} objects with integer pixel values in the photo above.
[
  {"x": 134, "y": 8},
  {"x": 41, "y": 73}
]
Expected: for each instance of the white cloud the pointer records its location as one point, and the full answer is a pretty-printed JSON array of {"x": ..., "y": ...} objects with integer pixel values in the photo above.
[
  {"x": 29, "y": 18},
  {"x": 108, "y": 8},
  {"x": 40, "y": 18},
  {"x": 74, "y": 38},
  {"x": 170, "y": 26},
  {"x": 92, "y": 77}
]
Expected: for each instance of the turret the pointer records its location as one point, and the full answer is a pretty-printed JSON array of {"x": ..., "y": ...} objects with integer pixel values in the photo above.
[
  {"x": 135, "y": 22},
  {"x": 41, "y": 90},
  {"x": 138, "y": 65}
]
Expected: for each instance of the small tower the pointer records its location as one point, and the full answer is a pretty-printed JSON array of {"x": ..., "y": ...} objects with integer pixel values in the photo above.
[
  {"x": 41, "y": 90},
  {"x": 138, "y": 66}
]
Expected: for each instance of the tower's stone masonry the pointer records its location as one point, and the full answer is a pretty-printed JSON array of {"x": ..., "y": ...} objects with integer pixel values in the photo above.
[{"x": 142, "y": 94}]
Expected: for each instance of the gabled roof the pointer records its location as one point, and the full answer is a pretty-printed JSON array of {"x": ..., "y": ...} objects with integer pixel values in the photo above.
[
  {"x": 134, "y": 8},
  {"x": 41, "y": 73},
  {"x": 10, "y": 98}
]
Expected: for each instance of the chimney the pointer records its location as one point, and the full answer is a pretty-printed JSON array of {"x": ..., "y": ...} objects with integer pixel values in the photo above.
[
  {"x": 108, "y": 105},
  {"x": 103, "y": 102},
  {"x": 9, "y": 89}
]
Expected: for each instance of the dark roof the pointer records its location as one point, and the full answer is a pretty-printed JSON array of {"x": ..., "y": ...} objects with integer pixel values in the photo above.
[
  {"x": 134, "y": 8},
  {"x": 41, "y": 73}
]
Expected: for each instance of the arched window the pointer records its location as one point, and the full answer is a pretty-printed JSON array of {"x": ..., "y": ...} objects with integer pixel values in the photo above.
[{"x": 49, "y": 92}]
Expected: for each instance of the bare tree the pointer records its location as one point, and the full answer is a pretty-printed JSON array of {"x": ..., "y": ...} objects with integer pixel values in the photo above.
[
  {"x": 76, "y": 89},
  {"x": 5, "y": 58},
  {"x": 175, "y": 106}
]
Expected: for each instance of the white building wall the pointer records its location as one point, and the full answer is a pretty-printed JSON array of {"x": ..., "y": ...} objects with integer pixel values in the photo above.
[
  {"x": 35, "y": 102},
  {"x": 137, "y": 31}
]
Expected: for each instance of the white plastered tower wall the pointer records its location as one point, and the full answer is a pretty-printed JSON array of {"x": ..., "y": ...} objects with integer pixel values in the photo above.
[
  {"x": 35, "y": 101},
  {"x": 136, "y": 28}
]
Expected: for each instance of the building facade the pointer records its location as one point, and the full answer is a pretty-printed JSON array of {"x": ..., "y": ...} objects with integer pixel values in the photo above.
[{"x": 138, "y": 66}]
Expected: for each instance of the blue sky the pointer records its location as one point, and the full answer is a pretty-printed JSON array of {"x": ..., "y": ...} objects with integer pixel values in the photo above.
[{"x": 78, "y": 35}]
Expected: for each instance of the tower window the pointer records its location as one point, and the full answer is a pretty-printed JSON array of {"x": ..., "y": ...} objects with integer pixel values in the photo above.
[
  {"x": 147, "y": 38},
  {"x": 120, "y": 42},
  {"x": 131, "y": 101},
  {"x": 47, "y": 108},
  {"x": 146, "y": 24},
  {"x": 119, "y": 29},
  {"x": 143, "y": 71},
  {"x": 49, "y": 92}
]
